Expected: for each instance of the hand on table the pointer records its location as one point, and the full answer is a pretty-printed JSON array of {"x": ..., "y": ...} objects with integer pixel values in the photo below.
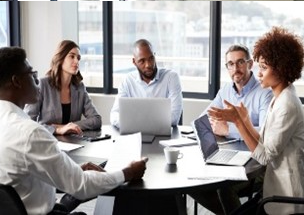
[
  {"x": 91, "y": 166},
  {"x": 70, "y": 128}
]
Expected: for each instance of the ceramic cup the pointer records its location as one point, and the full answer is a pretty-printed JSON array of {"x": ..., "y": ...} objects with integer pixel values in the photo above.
[{"x": 172, "y": 154}]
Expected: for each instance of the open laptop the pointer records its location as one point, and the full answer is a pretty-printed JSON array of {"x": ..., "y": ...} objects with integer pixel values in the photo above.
[
  {"x": 211, "y": 152},
  {"x": 150, "y": 116}
]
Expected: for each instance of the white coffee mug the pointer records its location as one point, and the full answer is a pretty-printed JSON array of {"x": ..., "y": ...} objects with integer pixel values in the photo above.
[{"x": 172, "y": 154}]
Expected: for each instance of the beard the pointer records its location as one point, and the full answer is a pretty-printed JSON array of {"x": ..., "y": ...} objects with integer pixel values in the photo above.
[{"x": 146, "y": 74}]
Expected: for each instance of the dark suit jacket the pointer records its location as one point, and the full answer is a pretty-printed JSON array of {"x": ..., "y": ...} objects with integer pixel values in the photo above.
[{"x": 48, "y": 108}]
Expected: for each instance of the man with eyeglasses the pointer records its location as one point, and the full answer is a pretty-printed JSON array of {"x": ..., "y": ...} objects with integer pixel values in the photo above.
[
  {"x": 243, "y": 88},
  {"x": 149, "y": 81}
]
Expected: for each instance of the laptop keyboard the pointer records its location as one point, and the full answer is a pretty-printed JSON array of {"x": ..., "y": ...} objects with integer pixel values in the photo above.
[{"x": 223, "y": 156}]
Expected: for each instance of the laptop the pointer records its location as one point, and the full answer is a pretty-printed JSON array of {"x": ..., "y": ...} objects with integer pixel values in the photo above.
[
  {"x": 150, "y": 116},
  {"x": 211, "y": 152}
]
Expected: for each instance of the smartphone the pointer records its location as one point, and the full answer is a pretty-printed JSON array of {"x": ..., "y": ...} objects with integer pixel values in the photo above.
[{"x": 103, "y": 137}]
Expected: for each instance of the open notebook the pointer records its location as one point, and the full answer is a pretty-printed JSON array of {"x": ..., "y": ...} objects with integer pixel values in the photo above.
[{"x": 211, "y": 152}]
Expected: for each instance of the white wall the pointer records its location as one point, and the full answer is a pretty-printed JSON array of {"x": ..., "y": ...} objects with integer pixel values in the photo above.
[{"x": 45, "y": 24}]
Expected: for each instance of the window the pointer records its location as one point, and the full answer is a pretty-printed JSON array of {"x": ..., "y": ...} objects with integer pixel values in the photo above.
[
  {"x": 3, "y": 24},
  {"x": 245, "y": 22},
  {"x": 91, "y": 42},
  {"x": 178, "y": 31}
]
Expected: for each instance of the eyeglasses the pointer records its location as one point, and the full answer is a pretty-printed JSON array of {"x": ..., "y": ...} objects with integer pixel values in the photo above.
[{"x": 239, "y": 63}]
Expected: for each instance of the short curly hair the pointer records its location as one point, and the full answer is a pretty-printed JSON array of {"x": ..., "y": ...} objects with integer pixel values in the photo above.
[
  {"x": 12, "y": 60},
  {"x": 283, "y": 51}
]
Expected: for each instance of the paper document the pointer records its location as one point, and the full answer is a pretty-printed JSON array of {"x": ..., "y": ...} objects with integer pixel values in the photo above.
[
  {"x": 237, "y": 173},
  {"x": 67, "y": 147},
  {"x": 127, "y": 148},
  {"x": 178, "y": 142}
]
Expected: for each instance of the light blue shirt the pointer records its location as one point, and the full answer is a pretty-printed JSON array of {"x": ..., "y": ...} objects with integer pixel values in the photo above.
[
  {"x": 166, "y": 84},
  {"x": 254, "y": 97}
]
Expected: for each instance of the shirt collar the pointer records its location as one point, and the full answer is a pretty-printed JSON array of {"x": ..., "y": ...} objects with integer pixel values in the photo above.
[
  {"x": 156, "y": 77},
  {"x": 14, "y": 108},
  {"x": 247, "y": 88}
]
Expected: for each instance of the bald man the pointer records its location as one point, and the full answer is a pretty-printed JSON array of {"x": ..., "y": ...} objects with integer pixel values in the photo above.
[{"x": 149, "y": 81}]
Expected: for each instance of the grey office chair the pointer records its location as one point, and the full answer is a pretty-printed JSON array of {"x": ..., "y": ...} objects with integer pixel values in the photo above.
[
  {"x": 10, "y": 201},
  {"x": 279, "y": 199}
]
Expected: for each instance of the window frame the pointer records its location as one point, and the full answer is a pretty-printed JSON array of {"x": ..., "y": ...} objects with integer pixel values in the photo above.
[{"x": 14, "y": 23}]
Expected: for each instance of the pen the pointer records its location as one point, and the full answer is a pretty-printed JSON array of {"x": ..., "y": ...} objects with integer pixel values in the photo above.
[
  {"x": 228, "y": 141},
  {"x": 107, "y": 136},
  {"x": 189, "y": 137}
]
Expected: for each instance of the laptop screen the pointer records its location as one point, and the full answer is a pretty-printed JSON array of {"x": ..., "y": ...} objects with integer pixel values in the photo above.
[{"x": 205, "y": 135}]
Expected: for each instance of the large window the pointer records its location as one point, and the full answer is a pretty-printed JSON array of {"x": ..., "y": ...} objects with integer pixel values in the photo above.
[
  {"x": 179, "y": 32},
  {"x": 3, "y": 23},
  {"x": 244, "y": 22}
]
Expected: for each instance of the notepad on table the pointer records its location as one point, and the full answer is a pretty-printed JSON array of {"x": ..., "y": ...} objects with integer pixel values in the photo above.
[
  {"x": 178, "y": 142},
  {"x": 212, "y": 172}
]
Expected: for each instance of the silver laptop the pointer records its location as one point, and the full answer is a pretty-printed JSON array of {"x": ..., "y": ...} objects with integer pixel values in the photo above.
[
  {"x": 150, "y": 116},
  {"x": 211, "y": 152}
]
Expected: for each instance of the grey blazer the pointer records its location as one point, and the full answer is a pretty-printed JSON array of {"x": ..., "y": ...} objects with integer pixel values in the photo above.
[{"x": 48, "y": 108}]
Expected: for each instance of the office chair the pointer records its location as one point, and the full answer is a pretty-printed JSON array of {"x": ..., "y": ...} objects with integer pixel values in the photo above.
[
  {"x": 10, "y": 201},
  {"x": 246, "y": 192},
  {"x": 278, "y": 199},
  {"x": 250, "y": 206}
]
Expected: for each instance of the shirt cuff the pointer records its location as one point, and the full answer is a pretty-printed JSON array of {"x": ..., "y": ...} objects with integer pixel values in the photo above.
[{"x": 119, "y": 176}]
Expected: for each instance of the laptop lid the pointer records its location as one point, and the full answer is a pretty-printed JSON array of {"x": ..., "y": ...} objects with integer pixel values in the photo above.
[
  {"x": 146, "y": 115},
  {"x": 206, "y": 138},
  {"x": 209, "y": 146}
]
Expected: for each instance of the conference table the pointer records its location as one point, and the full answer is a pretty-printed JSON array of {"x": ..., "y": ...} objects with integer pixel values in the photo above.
[{"x": 163, "y": 187}]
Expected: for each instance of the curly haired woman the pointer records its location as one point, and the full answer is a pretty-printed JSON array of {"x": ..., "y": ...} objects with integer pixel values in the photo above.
[{"x": 280, "y": 143}]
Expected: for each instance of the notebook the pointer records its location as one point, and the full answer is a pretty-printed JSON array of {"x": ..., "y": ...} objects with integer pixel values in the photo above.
[
  {"x": 211, "y": 152},
  {"x": 178, "y": 142},
  {"x": 150, "y": 116}
]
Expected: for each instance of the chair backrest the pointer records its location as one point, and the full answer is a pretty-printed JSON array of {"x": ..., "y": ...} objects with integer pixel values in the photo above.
[{"x": 10, "y": 201}]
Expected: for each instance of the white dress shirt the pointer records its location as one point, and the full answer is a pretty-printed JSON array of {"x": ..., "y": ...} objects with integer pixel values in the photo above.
[
  {"x": 34, "y": 165},
  {"x": 166, "y": 84},
  {"x": 281, "y": 148}
]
